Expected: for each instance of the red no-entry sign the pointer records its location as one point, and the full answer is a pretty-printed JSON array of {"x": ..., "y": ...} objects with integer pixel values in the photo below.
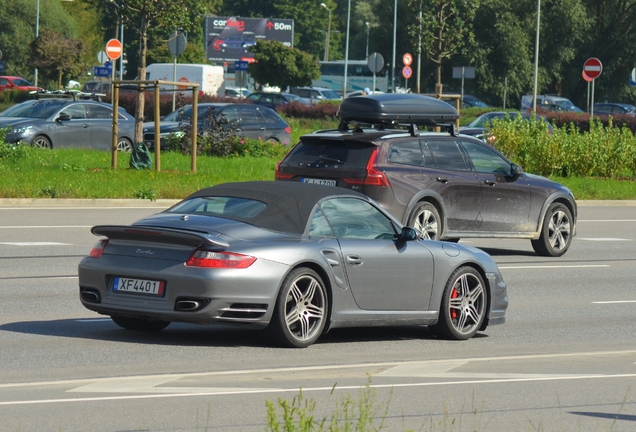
[
  {"x": 113, "y": 49},
  {"x": 592, "y": 68}
]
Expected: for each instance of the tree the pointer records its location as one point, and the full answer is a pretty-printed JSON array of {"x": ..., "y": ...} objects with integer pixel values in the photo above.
[
  {"x": 140, "y": 15},
  {"x": 57, "y": 56},
  {"x": 446, "y": 29},
  {"x": 17, "y": 31},
  {"x": 281, "y": 66}
]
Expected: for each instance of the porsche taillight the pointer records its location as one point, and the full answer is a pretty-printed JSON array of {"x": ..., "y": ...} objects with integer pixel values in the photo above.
[
  {"x": 98, "y": 249},
  {"x": 209, "y": 259}
]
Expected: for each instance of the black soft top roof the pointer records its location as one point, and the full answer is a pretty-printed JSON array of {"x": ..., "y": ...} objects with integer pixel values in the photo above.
[
  {"x": 289, "y": 204},
  {"x": 397, "y": 108}
]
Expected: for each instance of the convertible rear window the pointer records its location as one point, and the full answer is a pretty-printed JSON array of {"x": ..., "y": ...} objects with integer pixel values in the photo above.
[{"x": 221, "y": 206}]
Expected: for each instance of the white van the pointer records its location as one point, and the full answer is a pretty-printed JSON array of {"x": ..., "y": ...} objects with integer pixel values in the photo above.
[{"x": 209, "y": 78}]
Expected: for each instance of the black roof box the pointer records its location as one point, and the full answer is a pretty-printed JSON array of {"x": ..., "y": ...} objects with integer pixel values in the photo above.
[{"x": 396, "y": 108}]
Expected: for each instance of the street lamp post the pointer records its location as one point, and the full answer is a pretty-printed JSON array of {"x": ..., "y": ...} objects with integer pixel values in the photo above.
[
  {"x": 346, "y": 64},
  {"x": 121, "y": 38},
  {"x": 37, "y": 32},
  {"x": 367, "y": 50},
  {"x": 328, "y": 32},
  {"x": 536, "y": 59}
]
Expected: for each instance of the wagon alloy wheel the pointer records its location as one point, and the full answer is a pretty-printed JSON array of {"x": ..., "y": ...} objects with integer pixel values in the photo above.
[
  {"x": 42, "y": 142},
  {"x": 301, "y": 309},
  {"x": 463, "y": 305},
  {"x": 139, "y": 324},
  {"x": 556, "y": 234},
  {"x": 425, "y": 218}
]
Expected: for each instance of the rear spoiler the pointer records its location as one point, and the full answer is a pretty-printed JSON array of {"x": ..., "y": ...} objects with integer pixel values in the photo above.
[{"x": 158, "y": 235}]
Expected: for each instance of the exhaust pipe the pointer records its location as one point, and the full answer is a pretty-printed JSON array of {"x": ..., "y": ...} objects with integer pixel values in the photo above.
[
  {"x": 90, "y": 296},
  {"x": 187, "y": 305}
]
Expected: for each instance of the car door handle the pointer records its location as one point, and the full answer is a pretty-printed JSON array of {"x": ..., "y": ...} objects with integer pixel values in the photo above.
[
  {"x": 442, "y": 180},
  {"x": 263, "y": 128},
  {"x": 354, "y": 260},
  {"x": 84, "y": 125},
  {"x": 490, "y": 182}
]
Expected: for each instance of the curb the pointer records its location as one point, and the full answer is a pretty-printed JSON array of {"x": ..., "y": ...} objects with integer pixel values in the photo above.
[
  {"x": 165, "y": 203},
  {"x": 53, "y": 202}
]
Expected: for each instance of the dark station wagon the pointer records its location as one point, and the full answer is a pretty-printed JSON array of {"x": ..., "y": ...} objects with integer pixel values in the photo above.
[{"x": 447, "y": 185}]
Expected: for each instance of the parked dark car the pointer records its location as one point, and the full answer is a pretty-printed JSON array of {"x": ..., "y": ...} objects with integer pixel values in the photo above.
[
  {"x": 471, "y": 101},
  {"x": 272, "y": 99},
  {"x": 448, "y": 186},
  {"x": 614, "y": 108},
  {"x": 252, "y": 121},
  {"x": 63, "y": 122},
  {"x": 479, "y": 127},
  {"x": 298, "y": 258}
]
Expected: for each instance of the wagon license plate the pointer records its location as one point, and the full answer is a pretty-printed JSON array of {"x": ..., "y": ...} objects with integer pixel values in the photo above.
[
  {"x": 319, "y": 181},
  {"x": 138, "y": 286}
]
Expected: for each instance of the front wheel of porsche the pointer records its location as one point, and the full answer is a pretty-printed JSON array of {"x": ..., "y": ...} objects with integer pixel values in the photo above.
[
  {"x": 301, "y": 309},
  {"x": 463, "y": 306}
]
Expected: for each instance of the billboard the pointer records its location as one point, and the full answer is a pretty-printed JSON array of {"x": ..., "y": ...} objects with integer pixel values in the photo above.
[{"x": 228, "y": 39}]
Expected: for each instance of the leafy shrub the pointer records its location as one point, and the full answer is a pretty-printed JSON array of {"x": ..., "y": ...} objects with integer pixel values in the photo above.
[
  {"x": 219, "y": 137},
  {"x": 323, "y": 110},
  {"x": 12, "y": 150},
  {"x": 603, "y": 151}
]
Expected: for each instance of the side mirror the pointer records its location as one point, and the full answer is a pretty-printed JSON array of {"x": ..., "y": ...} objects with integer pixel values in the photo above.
[
  {"x": 409, "y": 234},
  {"x": 64, "y": 117},
  {"x": 515, "y": 170}
]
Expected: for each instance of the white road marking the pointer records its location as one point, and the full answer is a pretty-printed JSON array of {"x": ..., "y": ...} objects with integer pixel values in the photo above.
[
  {"x": 607, "y": 239},
  {"x": 606, "y": 220},
  {"x": 613, "y": 302},
  {"x": 553, "y": 267},
  {"x": 435, "y": 368},
  {"x": 35, "y": 244}
]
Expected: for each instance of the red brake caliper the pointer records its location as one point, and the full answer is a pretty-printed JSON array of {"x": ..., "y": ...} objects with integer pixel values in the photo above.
[{"x": 453, "y": 312}]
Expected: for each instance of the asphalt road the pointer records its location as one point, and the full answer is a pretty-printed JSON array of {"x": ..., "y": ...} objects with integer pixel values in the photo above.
[{"x": 564, "y": 361}]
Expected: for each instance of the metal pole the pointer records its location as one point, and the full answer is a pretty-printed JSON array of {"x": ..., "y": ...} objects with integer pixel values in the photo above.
[
  {"x": 328, "y": 32},
  {"x": 588, "y": 97},
  {"x": 121, "y": 39},
  {"x": 592, "y": 103},
  {"x": 174, "y": 79},
  {"x": 505, "y": 90},
  {"x": 536, "y": 59},
  {"x": 419, "y": 51},
  {"x": 394, "y": 38},
  {"x": 367, "y": 50},
  {"x": 346, "y": 64},
  {"x": 37, "y": 32}
]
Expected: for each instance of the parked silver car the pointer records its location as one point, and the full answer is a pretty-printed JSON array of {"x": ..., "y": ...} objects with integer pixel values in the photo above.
[
  {"x": 298, "y": 258},
  {"x": 62, "y": 122}
]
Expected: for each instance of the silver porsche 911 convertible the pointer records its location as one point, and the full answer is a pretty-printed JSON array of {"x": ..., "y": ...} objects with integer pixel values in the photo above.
[{"x": 296, "y": 258}]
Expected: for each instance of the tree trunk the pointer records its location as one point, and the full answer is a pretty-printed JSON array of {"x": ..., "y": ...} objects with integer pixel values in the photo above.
[
  {"x": 438, "y": 83},
  {"x": 141, "y": 98}
]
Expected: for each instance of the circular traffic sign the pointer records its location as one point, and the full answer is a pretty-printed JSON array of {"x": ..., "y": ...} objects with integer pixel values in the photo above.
[
  {"x": 407, "y": 59},
  {"x": 375, "y": 62},
  {"x": 407, "y": 72},
  {"x": 176, "y": 43},
  {"x": 593, "y": 68},
  {"x": 113, "y": 49}
]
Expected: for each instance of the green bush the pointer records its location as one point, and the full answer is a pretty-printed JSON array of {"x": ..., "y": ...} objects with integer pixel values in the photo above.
[
  {"x": 603, "y": 151},
  {"x": 12, "y": 150}
]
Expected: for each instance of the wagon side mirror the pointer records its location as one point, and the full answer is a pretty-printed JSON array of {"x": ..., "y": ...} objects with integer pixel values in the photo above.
[
  {"x": 515, "y": 170},
  {"x": 63, "y": 117}
]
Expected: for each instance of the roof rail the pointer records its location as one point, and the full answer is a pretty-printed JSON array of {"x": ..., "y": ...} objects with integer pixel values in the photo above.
[{"x": 71, "y": 94}]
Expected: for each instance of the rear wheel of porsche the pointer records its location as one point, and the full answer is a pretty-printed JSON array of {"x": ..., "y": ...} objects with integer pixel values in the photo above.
[
  {"x": 139, "y": 324},
  {"x": 463, "y": 307},
  {"x": 425, "y": 218},
  {"x": 301, "y": 309}
]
